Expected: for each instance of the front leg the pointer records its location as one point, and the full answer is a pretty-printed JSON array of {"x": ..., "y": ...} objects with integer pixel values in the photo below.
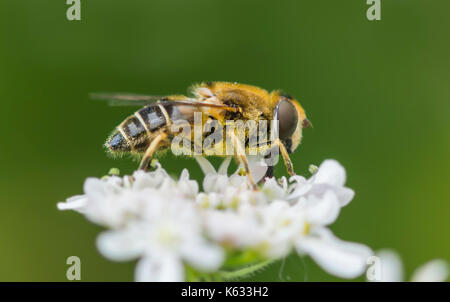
[
  {"x": 286, "y": 158},
  {"x": 239, "y": 152}
]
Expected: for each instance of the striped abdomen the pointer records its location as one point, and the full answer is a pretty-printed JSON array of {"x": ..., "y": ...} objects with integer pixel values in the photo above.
[{"x": 136, "y": 132}]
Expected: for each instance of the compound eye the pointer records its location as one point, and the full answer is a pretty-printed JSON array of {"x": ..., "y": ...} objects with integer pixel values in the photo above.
[{"x": 286, "y": 114}]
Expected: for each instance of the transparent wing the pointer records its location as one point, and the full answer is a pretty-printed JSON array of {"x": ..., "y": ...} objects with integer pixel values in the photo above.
[{"x": 127, "y": 99}]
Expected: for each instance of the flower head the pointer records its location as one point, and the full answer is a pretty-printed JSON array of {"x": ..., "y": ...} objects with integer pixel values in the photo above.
[{"x": 173, "y": 227}]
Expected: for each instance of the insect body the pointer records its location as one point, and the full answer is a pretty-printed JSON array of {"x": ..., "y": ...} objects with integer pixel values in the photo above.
[
  {"x": 149, "y": 129},
  {"x": 136, "y": 132}
]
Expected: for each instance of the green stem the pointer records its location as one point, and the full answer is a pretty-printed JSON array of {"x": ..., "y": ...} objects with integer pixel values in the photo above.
[
  {"x": 243, "y": 272},
  {"x": 192, "y": 275}
]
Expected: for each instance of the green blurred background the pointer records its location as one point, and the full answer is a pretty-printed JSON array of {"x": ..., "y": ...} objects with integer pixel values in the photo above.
[{"x": 377, "y": 92}]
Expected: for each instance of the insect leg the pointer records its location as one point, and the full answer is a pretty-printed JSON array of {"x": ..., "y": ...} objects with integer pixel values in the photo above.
[
  {"x": 150, "y": 150},
  {"x": 286, "y": 158},
  {"x": 240, "y": 154}
]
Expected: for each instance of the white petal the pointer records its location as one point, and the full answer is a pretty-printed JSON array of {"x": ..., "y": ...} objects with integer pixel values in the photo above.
[
  {"x": 119, "y": 245},
  {"x": 330, "y": 172},
  {"x": 337, "y": 257},
  {"x": 258, "y": 168},
  {"x": 97, "y": 190},
  {"x": 223, "y": 169},
  {"x": 184, "y": 175},
  {"x": 235, "y": 229},
  {"x": 203, "y": 256},
  {"x": 299, "y": 180},
  {"x": 432, "y": 271},
  {"x": 300, "y": 190},
  {"x": 345, "y": 195},
  {"x": 273, "y": 190},
  {"x": 153, "y": 179},
  {"x": 322, "y": 211},
  {"x": 205, "y": 165},
  {"x": 391, "y": 266},
  {"x": 188, "y": 188},
  {"x": 159, "y": 268},
  {"x": 76, "y": 203},
  {"x": 215, "y": 183}
]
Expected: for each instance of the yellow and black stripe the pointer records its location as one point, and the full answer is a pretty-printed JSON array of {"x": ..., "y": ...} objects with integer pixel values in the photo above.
[{"x": 136, "y": 131}]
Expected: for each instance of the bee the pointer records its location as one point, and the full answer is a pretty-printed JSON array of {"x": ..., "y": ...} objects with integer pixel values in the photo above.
[{"x": 149, "y": 129}]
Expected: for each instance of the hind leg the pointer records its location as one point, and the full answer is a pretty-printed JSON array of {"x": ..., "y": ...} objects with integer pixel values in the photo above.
[{"x": 150, "y": 150}]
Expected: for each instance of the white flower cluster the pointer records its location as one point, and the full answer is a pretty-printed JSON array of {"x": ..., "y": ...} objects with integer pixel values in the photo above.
[
  {"x": 391, "y": 269},
  {"x": 172, "y": 227}
]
